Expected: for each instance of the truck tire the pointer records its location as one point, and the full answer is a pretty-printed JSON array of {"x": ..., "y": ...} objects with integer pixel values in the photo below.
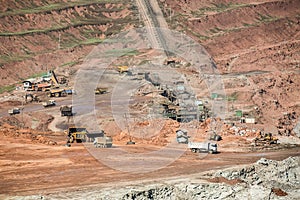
[
  {"x": 217, "y": 138},
  {"x": 210, "y": 152},
  {"x": 194, "y": 150},
  {"x": 57, "y": 94},
  {"x": 71, "y": 139}
]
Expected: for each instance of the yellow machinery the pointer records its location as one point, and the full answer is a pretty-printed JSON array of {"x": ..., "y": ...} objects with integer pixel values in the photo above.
[
  {"x": 269, "y": 137},
  {"x": 100, "y": 90},
  {"x": 266, "y": 138},
  {"x": 57, "y": 92},
  {"x": 76, "y": 134},
  {"x": 122, "y": 69},
  {"x": 54, "y": 79}
]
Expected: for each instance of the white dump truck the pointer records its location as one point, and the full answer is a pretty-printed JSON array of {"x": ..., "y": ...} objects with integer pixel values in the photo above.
[
  {"x": 49, "y": 103},
  {"x": 203, "y": 147},
  {"x": 103, "y": 142},
  {"x": 14, "y": 111}
]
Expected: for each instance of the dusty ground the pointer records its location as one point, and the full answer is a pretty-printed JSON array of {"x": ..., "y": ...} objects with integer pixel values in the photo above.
[
  {"x": 26, "y": 155},
  {"x": 26, "y": 169},
  {"x": 255, "y": 45}
]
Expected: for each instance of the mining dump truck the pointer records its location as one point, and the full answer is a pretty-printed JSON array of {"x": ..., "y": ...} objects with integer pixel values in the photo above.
[
  {"x": 57, "y": 92},
  {"x": 76, "y": 134},
  {"x": 103, "y": 142},
  {"x": 203, "y": 147},
  {"x": 49, "y": 103},
  {"x": 14, "y": 111},
  {"x": 66, "y": 110}
]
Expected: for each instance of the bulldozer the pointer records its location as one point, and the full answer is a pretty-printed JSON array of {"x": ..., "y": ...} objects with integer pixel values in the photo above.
[
  {"x": 265, "y": 138},
  {"x": 76, "y": 134}
]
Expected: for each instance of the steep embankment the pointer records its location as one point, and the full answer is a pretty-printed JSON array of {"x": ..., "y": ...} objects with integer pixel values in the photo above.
[
  {"x": 257, "y": 44},
  {"x": 40, "y": 35},
  {"x": 255, "y": 34}
]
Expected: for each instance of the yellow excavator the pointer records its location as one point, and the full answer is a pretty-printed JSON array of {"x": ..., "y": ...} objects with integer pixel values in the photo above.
[{"x": 56, "y": 90}]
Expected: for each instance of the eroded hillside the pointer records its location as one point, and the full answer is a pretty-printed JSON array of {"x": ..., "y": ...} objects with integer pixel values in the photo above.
[
  {"x": 255, "y": 45},
  {"x": 40, "y": 35}
]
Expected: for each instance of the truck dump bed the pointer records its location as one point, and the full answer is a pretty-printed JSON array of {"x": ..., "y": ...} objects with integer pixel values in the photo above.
[{"x": 103, "y": 142}]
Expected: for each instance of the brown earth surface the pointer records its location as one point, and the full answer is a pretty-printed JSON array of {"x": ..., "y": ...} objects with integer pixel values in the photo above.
[
  {"x": 255, "y": 45},
  {"x": 36, "y": 37},
  {"x": 29, "y": 167}
]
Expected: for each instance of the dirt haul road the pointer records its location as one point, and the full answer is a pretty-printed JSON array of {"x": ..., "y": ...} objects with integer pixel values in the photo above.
[{"x": 27, "y": 169}]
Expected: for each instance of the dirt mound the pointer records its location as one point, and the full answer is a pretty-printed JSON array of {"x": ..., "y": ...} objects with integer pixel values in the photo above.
[
  {"x": 37, "y": 120},
  {"x": 224, "y": 180},
  {"x": 6, "y": 104},
  {"x": 279, "y": 192},
  {"x": 25, "y": 135},
  {"x": 158, "y": 137}
]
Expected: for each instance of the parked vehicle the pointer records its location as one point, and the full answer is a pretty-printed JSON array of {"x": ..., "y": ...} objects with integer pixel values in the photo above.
[
  {"x": 49, "y": 103},
  {"x": 203, "y": 147},
  {"x": 66, "y": 110},
  {"x": 14, "y": 111},
  {"x": 103, "y": 142}
]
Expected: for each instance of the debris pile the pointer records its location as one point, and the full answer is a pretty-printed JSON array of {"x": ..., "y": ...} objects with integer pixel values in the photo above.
[
  {"x": 149, "y": 132},
  {"x": 28, "y": 135},
  {"x": 286, "y": 123},
  {"x": 266, "y": 179},
  {"x": 225, "y": 129},
  {"x": 168, "y": 131}
]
